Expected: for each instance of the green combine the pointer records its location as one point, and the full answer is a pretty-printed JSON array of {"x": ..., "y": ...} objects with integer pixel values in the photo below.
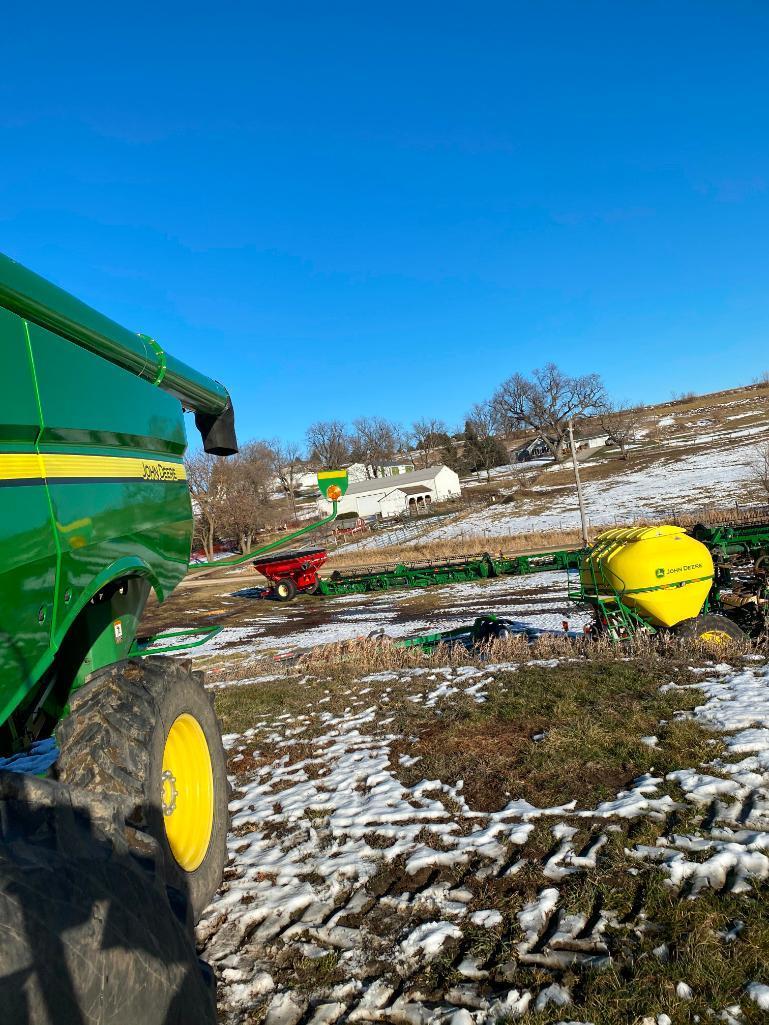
[{"x": 95, "y": 514}]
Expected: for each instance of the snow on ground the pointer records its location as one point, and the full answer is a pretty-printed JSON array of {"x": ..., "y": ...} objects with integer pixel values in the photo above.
[
  {"x": 735, "y": 790},
  {"x": 699, "y": 479},
  {"x": 696, "y": 467},
  {"x": 532, "y": 605},
  {"x": 397, "y": 533},
  {"x": 332, "y": 855}
]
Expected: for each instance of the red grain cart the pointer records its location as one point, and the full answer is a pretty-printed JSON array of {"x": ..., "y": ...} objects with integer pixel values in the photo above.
[{"x": 291, "y": 573}]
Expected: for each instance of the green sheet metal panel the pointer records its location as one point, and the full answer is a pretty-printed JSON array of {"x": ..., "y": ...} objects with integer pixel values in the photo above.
[
  {"x": 111, "y": 425},
  {"x": 27, "y": 547},
  {"x": 333, "y": 484},
  {"x": 88, "y": 402}
]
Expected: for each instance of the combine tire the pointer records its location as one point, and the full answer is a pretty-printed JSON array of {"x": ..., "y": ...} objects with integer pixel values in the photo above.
[
  {"x": 145, "y": 729},
  {"x": 712, "y": 630},
  {"x": 88, "y": 931},
  {"x": 285, "y": 589}
]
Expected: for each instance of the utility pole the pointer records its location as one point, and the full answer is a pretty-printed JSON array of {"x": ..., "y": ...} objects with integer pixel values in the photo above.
[{"x": 580, "y": 499}]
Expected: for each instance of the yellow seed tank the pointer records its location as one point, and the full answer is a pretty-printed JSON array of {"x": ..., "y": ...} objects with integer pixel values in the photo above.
[{"x": 661, "y": 572}]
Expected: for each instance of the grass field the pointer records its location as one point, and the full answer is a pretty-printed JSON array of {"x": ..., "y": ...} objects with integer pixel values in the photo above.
[{"x": 553, "y": 833}]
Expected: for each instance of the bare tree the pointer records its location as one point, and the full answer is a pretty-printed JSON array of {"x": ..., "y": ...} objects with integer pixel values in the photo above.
[
  {"x": 483, "y": 449},
  {"x": 427, "y": 436},
  {"x": 287, "y": 465},
  {"x": 621, "y": 422},
  {"x": 546, "y": 402},
  {"x": 204, "y": 479},
  {"x": 328, "y": 444},
  {"x": 376, "y": 441},
  {"x": 761, "y": 467},
  {"x": 246, "y": 504}
]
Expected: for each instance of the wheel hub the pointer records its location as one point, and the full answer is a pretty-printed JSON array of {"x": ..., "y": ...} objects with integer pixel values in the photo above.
[{"x": 168, "y": 793}]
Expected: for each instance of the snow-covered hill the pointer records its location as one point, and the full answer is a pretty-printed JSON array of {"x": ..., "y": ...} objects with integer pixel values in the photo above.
[{"x": 687, "y": 457}]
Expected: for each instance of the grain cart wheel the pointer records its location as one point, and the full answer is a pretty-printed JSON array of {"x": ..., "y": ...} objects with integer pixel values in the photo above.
[
  {"x": 285, "y": 589},
  {"x": 712, "y": 630},
  {"x": 145, "y": 729},
  {"x": 88, "y": 931}
]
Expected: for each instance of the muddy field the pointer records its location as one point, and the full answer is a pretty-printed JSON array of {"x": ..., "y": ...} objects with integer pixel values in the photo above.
[{"x": 260, "y": 628}]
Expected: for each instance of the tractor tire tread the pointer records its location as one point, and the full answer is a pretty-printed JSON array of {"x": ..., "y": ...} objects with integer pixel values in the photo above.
[
  {"x": 73, "y": 877},
  {"x": 697, "y": 626},
  {"x": 104, "y": 746}
]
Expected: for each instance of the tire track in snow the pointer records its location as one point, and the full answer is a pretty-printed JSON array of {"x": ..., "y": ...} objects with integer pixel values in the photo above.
[{"x": 309, "y": 878}]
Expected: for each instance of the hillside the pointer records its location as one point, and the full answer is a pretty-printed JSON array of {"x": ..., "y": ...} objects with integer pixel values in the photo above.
[{"x": 690, "y": 456}]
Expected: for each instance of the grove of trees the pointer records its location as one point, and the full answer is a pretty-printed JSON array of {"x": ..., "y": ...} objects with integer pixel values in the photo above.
[{"x": 256, "y": 490}]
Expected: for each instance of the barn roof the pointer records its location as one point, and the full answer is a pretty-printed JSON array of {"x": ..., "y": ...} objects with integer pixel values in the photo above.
[
  {"x": 414, "y": 489},
  {"x": 397, "y": 482}
]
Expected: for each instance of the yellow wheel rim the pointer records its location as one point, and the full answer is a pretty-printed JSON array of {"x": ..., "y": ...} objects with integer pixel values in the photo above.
[
  {"x": 718, "y": 638},
  {"x": 187, "y": 792}
]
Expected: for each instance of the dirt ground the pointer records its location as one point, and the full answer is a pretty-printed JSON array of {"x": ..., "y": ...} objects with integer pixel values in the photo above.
[{"x": 259, "y": 628}]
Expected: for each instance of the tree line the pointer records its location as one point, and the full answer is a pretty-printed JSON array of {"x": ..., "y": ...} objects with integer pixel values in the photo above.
[
  {"x": 540, "y": 405},
  {"x": 236, "y": 497}
]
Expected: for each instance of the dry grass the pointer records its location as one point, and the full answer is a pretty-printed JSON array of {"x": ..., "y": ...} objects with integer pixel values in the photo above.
[
  {"x": 363, "y": 656},
  {"x": 455, "y": 548},
  {"x": 371, "y": 655}
]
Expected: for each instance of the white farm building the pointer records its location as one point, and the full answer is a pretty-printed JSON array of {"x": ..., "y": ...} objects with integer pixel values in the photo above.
[{"x": 387, "y": 497}]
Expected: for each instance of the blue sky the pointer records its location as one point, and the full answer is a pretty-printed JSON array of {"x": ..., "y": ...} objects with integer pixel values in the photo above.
[{"x": 343, "y": 209}]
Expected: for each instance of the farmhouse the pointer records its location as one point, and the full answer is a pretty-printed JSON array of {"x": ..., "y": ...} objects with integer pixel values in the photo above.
[
  {"x": 535, "y": 449},
  {"x": 405, "y": 493},
  {"x": 538, "y": 448}
]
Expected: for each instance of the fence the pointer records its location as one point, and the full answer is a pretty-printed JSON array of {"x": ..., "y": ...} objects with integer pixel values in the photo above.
[{"x": 687, "y": 515}]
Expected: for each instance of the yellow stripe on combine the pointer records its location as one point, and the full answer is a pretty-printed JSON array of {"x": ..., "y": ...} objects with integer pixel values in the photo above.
[
  {"x": 31, "y": 466},
  {"x": 18, "y": 466}
]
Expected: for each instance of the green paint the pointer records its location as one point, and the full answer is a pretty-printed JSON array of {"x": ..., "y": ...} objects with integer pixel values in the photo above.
[
  {"x": 38, "y": 301},
  {"x": 80, "y": 553},
  {"x": 728, "y": 539},
  {"x": 151, "y": 645},
  {"x": 449, "y": 571},
  {"x": 479, "y": 631}
]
